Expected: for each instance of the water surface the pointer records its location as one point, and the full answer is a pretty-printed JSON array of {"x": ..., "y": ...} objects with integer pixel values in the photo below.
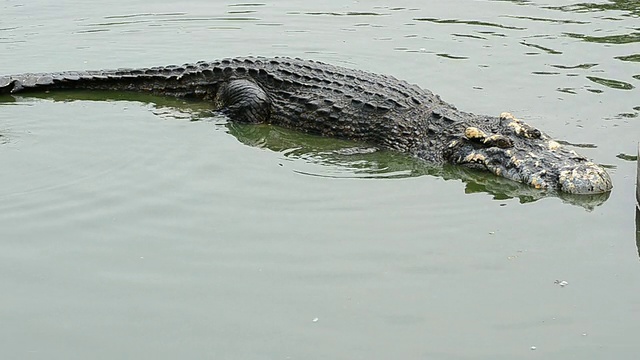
[{"x": 129, "y": 230}]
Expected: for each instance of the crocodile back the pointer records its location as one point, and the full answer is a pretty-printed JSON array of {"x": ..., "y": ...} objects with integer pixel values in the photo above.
[{"x": 306, "y": 95}]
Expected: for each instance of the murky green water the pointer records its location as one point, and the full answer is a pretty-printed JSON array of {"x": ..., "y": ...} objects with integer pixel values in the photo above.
[{"x": 127, "y": 230}]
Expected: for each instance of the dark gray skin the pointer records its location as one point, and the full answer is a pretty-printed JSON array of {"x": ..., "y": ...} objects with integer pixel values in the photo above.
[{"x": 334, "y": 101}]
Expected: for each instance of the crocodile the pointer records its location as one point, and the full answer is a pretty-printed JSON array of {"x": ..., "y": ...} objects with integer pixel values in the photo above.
[{"x": 328, "y": 100}]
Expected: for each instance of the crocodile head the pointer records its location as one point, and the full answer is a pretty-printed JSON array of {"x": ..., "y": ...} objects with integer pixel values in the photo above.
[{"x": 519, "y": 152}]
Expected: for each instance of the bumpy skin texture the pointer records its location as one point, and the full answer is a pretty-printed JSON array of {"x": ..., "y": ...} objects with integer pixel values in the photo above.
[{"x": 334, "y": 101}]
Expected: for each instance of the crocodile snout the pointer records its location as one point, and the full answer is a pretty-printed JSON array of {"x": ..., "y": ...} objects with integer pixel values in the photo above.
[{"x": 587, "y": 178}]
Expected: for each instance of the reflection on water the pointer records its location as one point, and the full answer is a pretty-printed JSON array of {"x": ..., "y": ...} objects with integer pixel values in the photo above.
[
  {"x": 521, "y": 26},
  {"x": 611, "y": 39},
  {"x": 338, "y": 158},
  {"x": 634, "y": 57},
  {"x": 630, "y": 7},
  {"x": 626, "y": 9},
  {"x": 540, "y": 47},
  {"x": 553, "y": 21},
  {"x": 193, "y": 108},
  {"x": 468, "y": 22},
  {"x": 348, "y": 159},
  {"x": 104, "y": 26},
  {"x": 579, "y": 66},
  {"x": 242, "y": 247},
  {"x": 614, "y": 84},
  {"x": 133, "y": 22},
  {"x": 348, "y": 13}
]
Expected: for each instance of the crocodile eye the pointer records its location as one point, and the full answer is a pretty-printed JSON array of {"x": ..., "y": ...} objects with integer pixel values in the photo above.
[
  {"x": 499, "y": 141},
  {"x": 496, "y": 140},
  {"x": 535, "y": 133}
]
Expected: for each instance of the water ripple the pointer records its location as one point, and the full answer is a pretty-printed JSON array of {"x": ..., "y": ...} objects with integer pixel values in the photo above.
[
  {"x": 553, "y": 21},
  {"x": 630, "y": 8},
  {"x": 468, "y": 22},
  {"x": 634, "y": 58},
  {"x": 128, "y": 16},
  {"x": 348, "y": 13},
  {"x": 247, "y": 5},
  {"x": 470, "y": 36},
  {"x": 610, "y": 39},
  {"x": 540, "y": 47},
  {"x": 155, "y": 19},
  {"x": 610, "y": 83},
  {"x": 579, "y": 66},
  {"x": 452, "y": 57}
]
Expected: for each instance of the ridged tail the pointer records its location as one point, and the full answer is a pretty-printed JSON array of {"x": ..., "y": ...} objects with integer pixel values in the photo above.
[{"x": 188, "y": 80}]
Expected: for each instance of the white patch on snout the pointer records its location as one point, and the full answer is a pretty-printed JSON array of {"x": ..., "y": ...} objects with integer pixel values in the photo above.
[
  {"x": 507, "y": 116},
  {"x": 539, "y": 183},
  {"x": 588, "y": 178},
  {"x": 553, "y": 145},
  {"x": 475, "y": 158},
  {"x": 474, "y": 133},
  {"x": 515, "y": 161}
]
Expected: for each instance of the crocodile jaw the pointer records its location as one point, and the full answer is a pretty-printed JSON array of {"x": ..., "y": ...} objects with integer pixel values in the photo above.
[
  {"x": 571, "y": 176},
  {"x": 541, "y": 163}
]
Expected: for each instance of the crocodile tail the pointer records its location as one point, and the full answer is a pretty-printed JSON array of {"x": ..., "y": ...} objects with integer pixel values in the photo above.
[{"x": 185, "y": 81}]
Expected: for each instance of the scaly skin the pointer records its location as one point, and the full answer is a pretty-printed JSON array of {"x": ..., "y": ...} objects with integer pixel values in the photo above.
[{"x": 334, "y": 101}]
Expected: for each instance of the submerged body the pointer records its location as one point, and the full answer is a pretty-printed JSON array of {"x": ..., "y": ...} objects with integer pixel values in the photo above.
[{"x": 334, "y": 101}]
